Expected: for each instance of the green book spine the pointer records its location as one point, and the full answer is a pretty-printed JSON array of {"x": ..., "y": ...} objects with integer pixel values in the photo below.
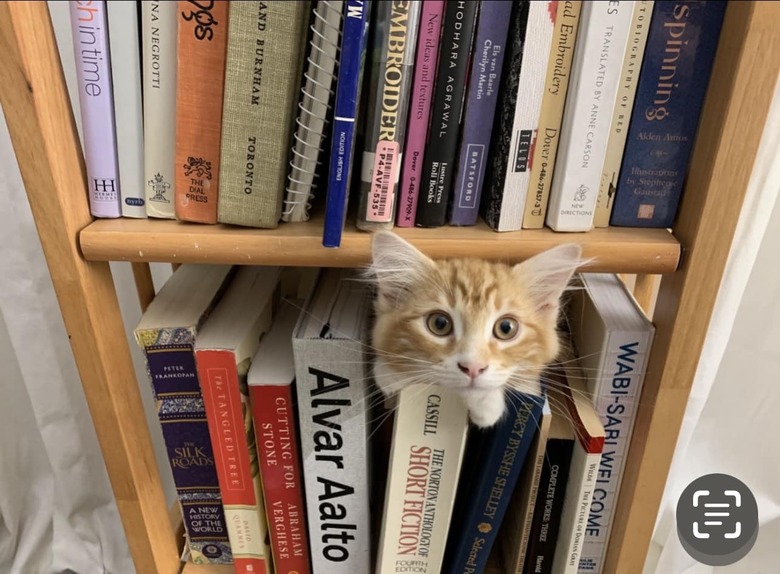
[{"x": 262, "y": 78}]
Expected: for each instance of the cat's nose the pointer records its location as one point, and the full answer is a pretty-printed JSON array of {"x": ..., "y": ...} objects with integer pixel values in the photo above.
[{"x": 473, "y": 370}]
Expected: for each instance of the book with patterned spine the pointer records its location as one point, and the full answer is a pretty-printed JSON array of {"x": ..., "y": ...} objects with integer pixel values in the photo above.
[
  {"x": 158, "y": 26},
  {"x": 166, "y": 333},
  {"x": 93, "y": 73},
  {"x": 262, "y": 77},
  {"x": 224, "y": 349},
  {"x": 126, "y": 88},
  {"x": 200, "y": 75}
]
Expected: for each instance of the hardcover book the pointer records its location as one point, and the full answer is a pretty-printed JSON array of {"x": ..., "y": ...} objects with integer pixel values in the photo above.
[
  {"x": 126, "y": 88},
  {"x": 333, "y": 387},
  {"x": 515, "y": 174},
  {"x": 666, "y": 114},
  {"x": 481, "y": 99},
  {"x": 556, "y": 86},
  {"x": 441, "y": 148},
  {"x": 271, "y": 381},
  {"x": 159, "y": 24},
  {"x": 166, "y": 333},
  {"x": 93, "y": 73},
  {"x": 200, "y": 78},
  {"x": 429, "y": 439},
  {"x": 587, "y": 116},
  {"x": 427, "y": 57},
  {"x": 262, "y": 78},
  {"x": 223, "y": 352},
  {"x": 393, "y": 47},
  {"x": 613, "y": 339},
  {"x": 348, "y": 88},
  {"x": 624, "y": 103},
  {"x": 314, "y": 109}
]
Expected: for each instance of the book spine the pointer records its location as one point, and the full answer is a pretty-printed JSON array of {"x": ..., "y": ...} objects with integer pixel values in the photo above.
[
  {"x": 481, "y": 99},
  {"x": 200, "y": 74},
  {"x": 666, "y": 113},
  {"x": 125, "y": 50},
  {"x": 615, "y": 397},
  {"x": 394, "y": 33},
  {"x": 313, "y": 110},
  {"x": 353, "y": 49},
  {"x": 93, "y": 73},
  {"x": 280, "y": 467},
  {"x": 493, "y": 193},
  {"x": 171, "y": 369},
  {"x": 446, "y": 114},
  {"x": 429, "y": 436},
  {"x": 262, "y": 76},
  {"x": 235, "y": 453},
  {"x": 549, "y": 504},
  {"x": 500, "y": 459},
  {"x": 624, "y": 103},
  {"x": 556, "y": 87},
  {"x": 420, "y": 110},
  {"x": 588, "y": 113},
  {"x": 158, "y": 23},
  {"x": 332, "y": 388},
  {"x": 536, "y": 54}
]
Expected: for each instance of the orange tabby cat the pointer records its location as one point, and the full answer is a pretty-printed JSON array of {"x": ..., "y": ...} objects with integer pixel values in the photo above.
[{"x": 468, "y": 324}]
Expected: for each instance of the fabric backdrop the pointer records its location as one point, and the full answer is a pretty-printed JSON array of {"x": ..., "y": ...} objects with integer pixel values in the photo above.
[{"x": 57, "y": 512}]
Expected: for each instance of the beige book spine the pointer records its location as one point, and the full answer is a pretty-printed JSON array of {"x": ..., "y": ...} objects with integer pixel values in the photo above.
[
  {"x": 429, "y": 438},
  {"x": 632, "y": 64},
  {"x": 548, "y": 134}
]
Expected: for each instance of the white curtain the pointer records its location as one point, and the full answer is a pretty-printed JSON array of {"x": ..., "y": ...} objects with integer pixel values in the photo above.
[{"x": 57, "y": 512}]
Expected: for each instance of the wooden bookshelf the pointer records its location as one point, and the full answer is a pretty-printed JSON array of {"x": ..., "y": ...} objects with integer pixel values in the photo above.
[
  {"x": 690, "y": 260},
  {"x": 614, "y": 249}
]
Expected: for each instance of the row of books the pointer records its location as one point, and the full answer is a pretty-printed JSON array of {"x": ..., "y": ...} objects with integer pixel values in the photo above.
[
  {"x": 286, "y": 460},
  {"x": 570, "y": 114}
]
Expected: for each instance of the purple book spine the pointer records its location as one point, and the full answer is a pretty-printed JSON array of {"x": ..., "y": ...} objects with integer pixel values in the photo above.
[
  {"x": 93, "y": 70},
  {"x": 487, "y": 61},
  {"x": 420, "y": 109}
]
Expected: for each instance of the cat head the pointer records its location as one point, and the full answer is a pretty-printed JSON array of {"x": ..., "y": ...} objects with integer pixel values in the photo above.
[{"x": 475, "y": 326}]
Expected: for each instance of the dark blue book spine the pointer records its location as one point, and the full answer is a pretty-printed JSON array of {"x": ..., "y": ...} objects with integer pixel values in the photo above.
[
  {"x": 675, "y": 73},
  {"x": 481, "y": 100},
  {"x": 353, "y": 49},
  {"x": 493, "y": 462}
]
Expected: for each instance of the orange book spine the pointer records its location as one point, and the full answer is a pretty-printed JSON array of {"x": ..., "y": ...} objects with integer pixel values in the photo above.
[{"x": 202, "y": 48}]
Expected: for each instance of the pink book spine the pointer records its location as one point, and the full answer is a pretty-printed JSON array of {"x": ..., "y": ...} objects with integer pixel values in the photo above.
[
  {"x": 419, "y": 109},
  {"x": 93, "y": 70}
]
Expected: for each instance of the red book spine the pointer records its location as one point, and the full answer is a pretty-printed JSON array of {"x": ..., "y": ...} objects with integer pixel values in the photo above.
[
  {"x": 235, "y": 458},
  {"x": 280, "y": 466}
]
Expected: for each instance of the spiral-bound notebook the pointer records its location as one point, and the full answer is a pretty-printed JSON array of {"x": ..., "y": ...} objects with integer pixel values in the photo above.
[{"x": 317, "y": 91}]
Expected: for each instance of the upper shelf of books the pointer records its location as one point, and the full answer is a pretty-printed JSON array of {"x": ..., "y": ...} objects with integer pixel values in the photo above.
[{"x": 615, "y": 249}]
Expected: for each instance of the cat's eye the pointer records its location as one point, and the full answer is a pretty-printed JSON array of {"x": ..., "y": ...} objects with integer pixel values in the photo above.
[
  {"x": 439, "y": 323},
  {"x": 506, "y": 328}
]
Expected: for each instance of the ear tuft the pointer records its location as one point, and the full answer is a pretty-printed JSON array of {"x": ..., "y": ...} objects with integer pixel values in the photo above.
[
  {"x": 547, "y": 274},
  {"x": 396, "y": 264}
]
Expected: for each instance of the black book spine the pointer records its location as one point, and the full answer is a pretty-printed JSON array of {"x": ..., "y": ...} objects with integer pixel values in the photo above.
[
  {"x": 446, "y": 114},
  {"x": 549, "y": 503}
]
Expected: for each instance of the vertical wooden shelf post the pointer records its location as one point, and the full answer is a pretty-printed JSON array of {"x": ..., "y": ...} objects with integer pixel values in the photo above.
[{"x": 37, "y": 110}]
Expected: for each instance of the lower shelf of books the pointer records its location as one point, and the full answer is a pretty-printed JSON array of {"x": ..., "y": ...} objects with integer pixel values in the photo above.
[{"x": 615, "y": 249}]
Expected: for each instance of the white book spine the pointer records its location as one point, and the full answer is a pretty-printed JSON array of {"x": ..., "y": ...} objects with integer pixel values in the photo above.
[
  {"x": 333, "y": 398},
  {"x": 574, "y": 515},
  {"x": 158, "y": 23},
  {"x": 601, "y": 44},
  {"x": 429, "y": 437},
  {"x": 126, "y": 78},
  {"x": 617, "y": 388},
  {"x": 530, "y": 91}
]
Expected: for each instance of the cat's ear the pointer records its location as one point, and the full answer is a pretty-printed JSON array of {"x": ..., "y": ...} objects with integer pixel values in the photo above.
[
  {"x": 396, "y": 264},
  {"x": 547, "y": 275}
]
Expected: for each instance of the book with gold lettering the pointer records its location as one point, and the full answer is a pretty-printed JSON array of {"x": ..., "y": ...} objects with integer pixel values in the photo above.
[{"x": 429, "y": 439}]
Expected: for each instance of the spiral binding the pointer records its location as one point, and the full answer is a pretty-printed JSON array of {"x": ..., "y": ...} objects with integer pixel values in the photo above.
[{"x": 317, "y": 88}]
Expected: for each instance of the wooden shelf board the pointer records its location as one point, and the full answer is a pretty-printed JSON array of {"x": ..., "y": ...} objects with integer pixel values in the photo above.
[{"x": 625, "y": 250}]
